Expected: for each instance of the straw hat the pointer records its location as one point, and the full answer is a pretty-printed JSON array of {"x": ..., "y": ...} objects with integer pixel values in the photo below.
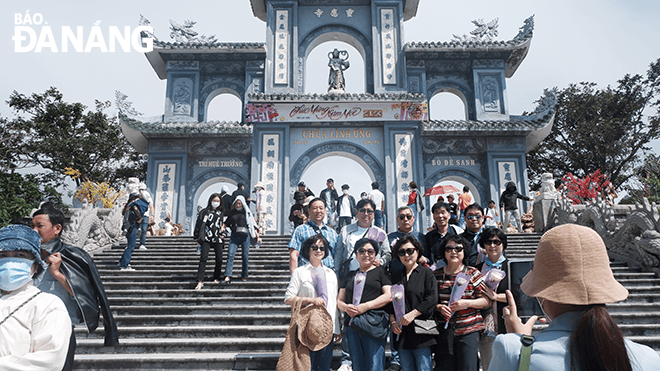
[
  {"x": 571, "y": 266},
  {"x": 315, "y": 327}
]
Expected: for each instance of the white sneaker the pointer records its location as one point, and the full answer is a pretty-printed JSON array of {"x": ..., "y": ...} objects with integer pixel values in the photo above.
[
  {"x": 127, "y": 269},
  {"x": 142, "y": 247},
  {"x": 345, "y": 367}
]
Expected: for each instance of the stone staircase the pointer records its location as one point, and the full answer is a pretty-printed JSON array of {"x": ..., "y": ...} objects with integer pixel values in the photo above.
[{"x": 165, "y": 324}]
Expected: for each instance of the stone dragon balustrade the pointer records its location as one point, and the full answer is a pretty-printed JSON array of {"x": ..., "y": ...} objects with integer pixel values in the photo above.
[
  {"x": 630, "y": 232},
  {"x": 93, "y": 228}
]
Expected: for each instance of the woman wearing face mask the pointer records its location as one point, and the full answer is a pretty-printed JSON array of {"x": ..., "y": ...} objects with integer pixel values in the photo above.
[
  {"x": 208, "y": 231},
  {"x": 243, "y": 227},
  {"x": 572, "y": 280},
  {"x": 34, "y": 326}
]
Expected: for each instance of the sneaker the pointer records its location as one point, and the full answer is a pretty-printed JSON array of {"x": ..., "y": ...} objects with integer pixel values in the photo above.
[
  {"x": 394, "y": 367},
  {"x": 345, "y": 367},
  {"x": 127, "y": 269},
  {"x": 142, "y": 247}
]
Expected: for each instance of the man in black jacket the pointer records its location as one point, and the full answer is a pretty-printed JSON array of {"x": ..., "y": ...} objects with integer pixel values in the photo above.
[
  {"x": 345, "y": 208},
  {"x": 72, "y": 276},
  {"x": 509, "y": 205}
]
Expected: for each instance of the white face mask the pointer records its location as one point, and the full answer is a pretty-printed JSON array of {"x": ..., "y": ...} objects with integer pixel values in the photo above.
[
  {"x": 14, "y": 273},
  {"x": 239, "y": 208},
  {"x": 215, "y": 204},
  {"x": 345, "y": 191}
]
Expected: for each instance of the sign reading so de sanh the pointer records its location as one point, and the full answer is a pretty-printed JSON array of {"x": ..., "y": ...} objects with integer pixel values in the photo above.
[{"x": 336, "y": 111}]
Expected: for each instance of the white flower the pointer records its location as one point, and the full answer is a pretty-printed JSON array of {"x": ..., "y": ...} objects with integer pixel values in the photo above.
[
  {"x": 398, "y": 295},
  {"x": 496, "y": 277},
  {"x": 461, "y": 281},
  {"x": 360, "y": 278}
]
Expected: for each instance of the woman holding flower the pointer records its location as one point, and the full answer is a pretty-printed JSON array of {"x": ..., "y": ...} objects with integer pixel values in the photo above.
[
  {"x": 420, "y": 297},
  {"x": 493, "y": 241},
  {"x": 365, "y": 290},
  {"x": 316, "y": 285},
  {"x": 457, "y": 346}
]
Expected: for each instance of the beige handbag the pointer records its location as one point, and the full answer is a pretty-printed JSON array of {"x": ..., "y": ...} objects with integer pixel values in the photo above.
[{"x": 294, "y": 356}]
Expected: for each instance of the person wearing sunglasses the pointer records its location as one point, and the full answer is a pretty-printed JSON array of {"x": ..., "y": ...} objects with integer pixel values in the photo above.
[
  {"x": 441, "y": 228},
  {"x": 367, "y": 352},
  {"x": 474, "y": 221},
  {"x": 421, "y": 297},
  {"x": 458, "y": 344},
  {"x": 301, "y": 285},
  {"x": 345, "y": 250},
  {"x": 493, "y": 240}
]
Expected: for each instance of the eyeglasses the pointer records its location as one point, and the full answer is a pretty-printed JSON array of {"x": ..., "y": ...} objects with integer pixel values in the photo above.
[
  {"x": 472, "y": 217},
  {"x": 404, "y": 252},
  {"x": 366, "y": 211},
  {"x": 455, "y": 248},
  {"x": 405, "y": 216},
  {"x": 362, "y": 251},
  {"x": 493, "y": 242},
  {"x": 317, "y": 248}
]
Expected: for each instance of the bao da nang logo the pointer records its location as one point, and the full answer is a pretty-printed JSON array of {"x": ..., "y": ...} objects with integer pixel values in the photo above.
[{"x": 31, "y": 33}]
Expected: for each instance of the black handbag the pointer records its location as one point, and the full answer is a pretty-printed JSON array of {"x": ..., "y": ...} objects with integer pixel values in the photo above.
[
  {"x": 242, "y": 231},
  {"x": 373, "y": 323},
  {"x": 425, "y": 327}
]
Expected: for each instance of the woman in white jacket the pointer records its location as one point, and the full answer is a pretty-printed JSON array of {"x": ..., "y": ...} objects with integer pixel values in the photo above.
[
  {"x": 316, "y": 285},
  {"x": 34, "y": 326}
]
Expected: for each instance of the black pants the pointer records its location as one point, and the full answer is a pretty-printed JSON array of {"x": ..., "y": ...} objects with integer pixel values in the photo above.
[
  {"x": 343, "y": 220},
  {"x": 217, "y": 272},
  {"x": 68, "y": 365},
  {"x": 465, "y": 356}
]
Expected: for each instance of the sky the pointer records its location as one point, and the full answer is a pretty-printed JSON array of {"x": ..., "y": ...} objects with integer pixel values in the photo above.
[{"x": 588, "y": 40}]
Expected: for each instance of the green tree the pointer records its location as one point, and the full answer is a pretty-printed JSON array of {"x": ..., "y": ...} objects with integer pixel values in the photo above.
[
  {"x": 54, "y": 134},
  {"x": 22, "y": 193},
  {"x": 606, "y": 129}
]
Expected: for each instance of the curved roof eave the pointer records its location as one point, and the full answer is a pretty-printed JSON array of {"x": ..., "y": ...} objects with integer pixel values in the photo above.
[
  {"x": 259, "y": 9},
  {"x": 134, "y": 137}
]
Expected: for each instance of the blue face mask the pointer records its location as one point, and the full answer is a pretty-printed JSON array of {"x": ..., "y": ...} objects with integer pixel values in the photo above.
[{"x": 14, "y": 273}]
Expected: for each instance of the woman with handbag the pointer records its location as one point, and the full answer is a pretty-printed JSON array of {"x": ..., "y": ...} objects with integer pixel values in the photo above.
[
  {"x": 420, "y": 296},
  {"x": 458, "y": 343},
  {"x": 316, "y": 284},
  {"x": 493, "y": 241},
  {"x": 208, "y": 231},
  {"x": 243, "y": 227},
  {"x": 361, "y": 294}
]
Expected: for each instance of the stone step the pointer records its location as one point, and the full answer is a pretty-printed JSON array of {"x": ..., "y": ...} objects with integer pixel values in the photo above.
[
  {"x": 646, "y": 317},
  {"x": 108, "y": 273},
  {"x": 218, "y": 309},
  {"x": 234, "y": 290},
  {"x": 628, "y": 306},
  {"x": 187, "y": 275},
  {"x": 249, "y": 284},
  {"x": 209, "y": 331},
  {"x": 211, "y": 299},
  {"x": 203, "y": 320},
  {"x": 184, "y": 345}
]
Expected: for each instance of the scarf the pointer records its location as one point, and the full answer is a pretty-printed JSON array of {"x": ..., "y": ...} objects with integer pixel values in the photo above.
[{"x": 497, "y": 264}]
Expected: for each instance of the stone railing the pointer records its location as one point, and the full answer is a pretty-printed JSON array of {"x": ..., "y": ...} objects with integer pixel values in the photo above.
[
  {"x": 630, "y": 232},
  {"x": 94, "y": 228}
]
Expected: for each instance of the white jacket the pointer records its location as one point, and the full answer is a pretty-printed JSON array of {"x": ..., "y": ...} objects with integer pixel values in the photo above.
[{"x": 36, "y": 336}]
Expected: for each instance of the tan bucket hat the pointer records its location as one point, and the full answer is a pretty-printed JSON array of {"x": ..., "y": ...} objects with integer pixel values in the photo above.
[
  {"x": 315, "y": 327},
  {"x": 571, "y": 266}
]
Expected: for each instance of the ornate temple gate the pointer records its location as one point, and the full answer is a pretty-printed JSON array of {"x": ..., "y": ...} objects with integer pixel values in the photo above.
[{"x": 386, "y": 130}]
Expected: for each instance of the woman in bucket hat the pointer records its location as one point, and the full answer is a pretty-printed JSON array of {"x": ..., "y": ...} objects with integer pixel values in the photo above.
[
  {"x": 34, "y": 326},
  {"x": 572, "y": 280}
]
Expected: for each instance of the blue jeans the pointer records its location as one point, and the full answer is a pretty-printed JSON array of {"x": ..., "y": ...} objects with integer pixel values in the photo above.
[
  {"x": 461, "y": 219},
  {"x": 131, "y": 236},
  {"x": 378, "y": 218},
  {"x": 143, "y": 228},
  {"x": 345, "y": 347},
  {"x": 234, "y": 241},
  {"x": 416, "y": 359},
  {"x": 322, "y": 359},
  {"x": 394, "y": 359},
  {"x": 367, "y": 353}
]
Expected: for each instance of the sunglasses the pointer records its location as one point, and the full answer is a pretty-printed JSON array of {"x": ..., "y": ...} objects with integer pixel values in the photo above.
[
  {"x": 317, "y": 248},
  {"x": 404, "y": 252},
  {"x": 362, "y": 251},
  {"x": 455, "y": 248},
  {"x": 493, "y": 242},
  {"x": 366, "y": 211},
  {"x": 405, "y": 217},
  {"x": 472, "y": 217}
]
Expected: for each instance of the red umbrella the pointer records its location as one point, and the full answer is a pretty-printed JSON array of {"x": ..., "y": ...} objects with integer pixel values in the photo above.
[{"x": 440, "y": 190}]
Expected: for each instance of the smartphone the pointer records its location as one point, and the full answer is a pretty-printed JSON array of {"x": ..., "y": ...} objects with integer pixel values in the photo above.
[{"x": 527, "y": 306}]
